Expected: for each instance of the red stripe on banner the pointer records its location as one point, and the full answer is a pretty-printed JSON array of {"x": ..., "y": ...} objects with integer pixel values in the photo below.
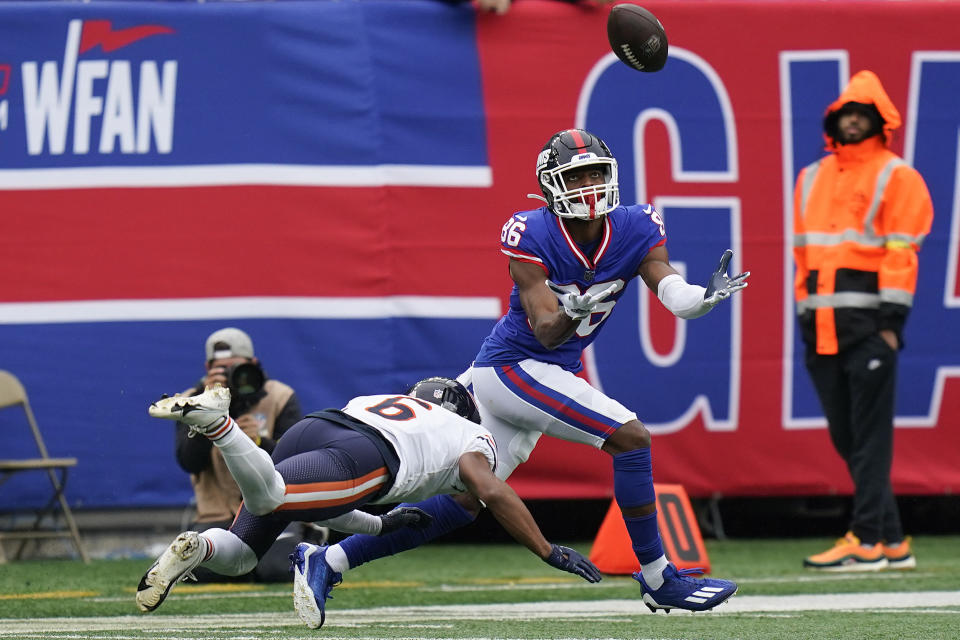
[
  {"x": 199, "y": 242},
  {"x": 568, "y": 411}
]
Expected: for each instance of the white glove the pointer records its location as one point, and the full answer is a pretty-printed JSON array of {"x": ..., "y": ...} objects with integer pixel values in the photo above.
[
  {"x": 579, "y": 305},
  {"x": 721, "y": 286}
]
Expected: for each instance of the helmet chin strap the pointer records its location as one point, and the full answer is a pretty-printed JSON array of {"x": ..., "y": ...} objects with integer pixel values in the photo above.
[{"x": 534, "y": 196}]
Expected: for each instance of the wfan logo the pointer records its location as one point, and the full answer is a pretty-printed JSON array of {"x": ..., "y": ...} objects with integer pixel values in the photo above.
[{"x": 51, "y": 95}]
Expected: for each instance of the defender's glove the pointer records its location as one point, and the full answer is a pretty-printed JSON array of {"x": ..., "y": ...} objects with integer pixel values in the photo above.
[
  {"x": 721, "y": 286},
  {"x": 579, "y": 305},
  {"x": 404, "y": 517},
  {"x": 570, "y": 560}
]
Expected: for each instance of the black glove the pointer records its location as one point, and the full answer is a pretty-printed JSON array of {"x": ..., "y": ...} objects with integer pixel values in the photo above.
[
  {"x": 404, "y": 517},
  {"x": 570, "y": 560}
]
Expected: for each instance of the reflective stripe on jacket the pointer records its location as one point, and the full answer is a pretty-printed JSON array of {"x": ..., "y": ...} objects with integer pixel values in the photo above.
[{"x": 860, "y": 216}]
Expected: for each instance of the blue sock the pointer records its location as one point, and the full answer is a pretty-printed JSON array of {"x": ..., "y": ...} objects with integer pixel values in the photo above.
[
  {"x": 633, "y": 478},
  {"x": 645, "y": 537},
  {"x": 633, "y": 487},
  {"x": 447, "y": 514}
]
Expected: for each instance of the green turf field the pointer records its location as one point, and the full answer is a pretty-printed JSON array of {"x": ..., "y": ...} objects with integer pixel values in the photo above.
[{"x": 500, "y": 591}]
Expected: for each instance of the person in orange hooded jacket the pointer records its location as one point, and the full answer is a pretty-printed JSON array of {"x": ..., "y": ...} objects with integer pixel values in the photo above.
[{"x": 860, "y": 216}]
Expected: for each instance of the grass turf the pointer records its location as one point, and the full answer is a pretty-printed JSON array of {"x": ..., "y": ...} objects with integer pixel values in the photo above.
[{"x": 473, "y": 576}]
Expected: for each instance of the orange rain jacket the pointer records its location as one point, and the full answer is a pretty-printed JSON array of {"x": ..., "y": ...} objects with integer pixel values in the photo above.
[{"x": 860, "y": 216}]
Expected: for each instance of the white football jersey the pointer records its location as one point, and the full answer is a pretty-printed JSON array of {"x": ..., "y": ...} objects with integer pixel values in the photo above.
[{"x": 428, "y": 439}]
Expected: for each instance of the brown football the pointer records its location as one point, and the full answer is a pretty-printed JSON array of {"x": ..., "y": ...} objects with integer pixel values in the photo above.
[{"x": 637, "y": 37}]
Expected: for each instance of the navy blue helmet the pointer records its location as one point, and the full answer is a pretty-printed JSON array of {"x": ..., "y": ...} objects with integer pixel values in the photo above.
[{"x": 449, "y": 394}]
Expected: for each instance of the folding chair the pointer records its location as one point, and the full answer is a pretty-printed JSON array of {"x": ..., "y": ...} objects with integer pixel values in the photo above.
[{"x": 12, "y": 393}]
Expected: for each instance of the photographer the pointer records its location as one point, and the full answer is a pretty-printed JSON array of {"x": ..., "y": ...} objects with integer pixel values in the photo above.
[{"x": 263, "y": 408}]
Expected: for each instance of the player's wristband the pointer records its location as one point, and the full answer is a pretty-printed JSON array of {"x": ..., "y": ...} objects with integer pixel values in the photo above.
[
  {"x": 355, "y": 522},
  {"x": 683, "y": 299}
]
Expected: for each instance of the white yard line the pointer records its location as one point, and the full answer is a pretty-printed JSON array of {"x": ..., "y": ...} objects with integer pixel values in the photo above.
[
  {"x": 17, "y": 628},
  {"x": 611, "y": 582}
]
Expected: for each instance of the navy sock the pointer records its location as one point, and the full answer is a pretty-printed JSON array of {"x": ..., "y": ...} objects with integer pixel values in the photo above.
[
  {"x": 633, "y": 487},
  {"x": 447, "y": 514},
  {"x": 633, "y": 478},
  {"x": 645, "y": 537}
]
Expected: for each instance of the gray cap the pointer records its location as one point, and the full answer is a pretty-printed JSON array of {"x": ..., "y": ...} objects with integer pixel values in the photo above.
[{"x": 229, "y": 343}]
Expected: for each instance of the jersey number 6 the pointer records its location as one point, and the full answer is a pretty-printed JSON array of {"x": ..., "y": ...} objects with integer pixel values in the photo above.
[
  {"x": 588, "y": 325},
  {"x": 396, "y": 409}
]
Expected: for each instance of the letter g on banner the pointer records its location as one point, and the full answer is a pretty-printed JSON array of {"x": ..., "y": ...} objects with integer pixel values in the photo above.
[{"x": 692, "y": 103}]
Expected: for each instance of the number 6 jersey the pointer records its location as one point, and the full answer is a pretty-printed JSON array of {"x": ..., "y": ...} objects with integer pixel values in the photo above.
[
  {"x": 540, "y": 237},
  {"x": 429, "y": 441}
]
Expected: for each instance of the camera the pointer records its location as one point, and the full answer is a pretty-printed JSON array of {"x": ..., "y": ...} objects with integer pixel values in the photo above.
[{"x": 244, "y": 379}]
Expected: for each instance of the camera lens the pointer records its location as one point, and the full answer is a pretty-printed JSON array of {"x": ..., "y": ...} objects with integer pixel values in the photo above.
[{"x": 245, "y": 379}]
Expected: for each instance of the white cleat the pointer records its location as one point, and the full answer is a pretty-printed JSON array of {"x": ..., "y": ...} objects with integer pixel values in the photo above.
[
  {"x": 204, "y": 413},
  {"x": 174, "y": 565}
]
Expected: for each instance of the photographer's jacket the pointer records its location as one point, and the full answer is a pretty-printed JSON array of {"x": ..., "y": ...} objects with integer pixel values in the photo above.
[
  {"x": 274, "y": 409},
  {"x": 860, "y": 216}
]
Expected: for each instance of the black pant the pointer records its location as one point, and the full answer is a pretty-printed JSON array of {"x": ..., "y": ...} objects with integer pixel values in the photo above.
[
  {"x": 856, "y": 388},
  {"x": 318, "y": 451}
]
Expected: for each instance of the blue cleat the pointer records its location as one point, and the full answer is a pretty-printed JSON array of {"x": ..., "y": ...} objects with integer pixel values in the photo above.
[
  {"x": 313, "y": 580},
  {"x": 679, "y": 591}
]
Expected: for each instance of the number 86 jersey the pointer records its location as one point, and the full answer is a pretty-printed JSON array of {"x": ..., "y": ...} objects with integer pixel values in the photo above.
[{"x": 539, "y": 237}]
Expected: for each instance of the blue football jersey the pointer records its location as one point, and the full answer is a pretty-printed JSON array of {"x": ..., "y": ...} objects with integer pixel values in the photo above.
[{"x": 539, "y": 237}]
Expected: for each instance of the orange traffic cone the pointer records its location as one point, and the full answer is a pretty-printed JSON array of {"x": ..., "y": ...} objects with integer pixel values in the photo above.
[{"x": 612, "y": 549}]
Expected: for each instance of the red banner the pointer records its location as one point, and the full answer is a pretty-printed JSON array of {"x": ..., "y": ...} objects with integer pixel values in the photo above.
[
  {"x": 765, "y": 57},
  {"x": 336, "y": 183}
]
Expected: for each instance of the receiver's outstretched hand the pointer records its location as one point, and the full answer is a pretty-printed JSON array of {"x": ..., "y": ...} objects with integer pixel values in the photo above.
[{"x": 721, "y": 286}]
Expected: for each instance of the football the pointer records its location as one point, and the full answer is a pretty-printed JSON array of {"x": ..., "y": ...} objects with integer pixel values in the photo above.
[{"x": 637, "y": 37}]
